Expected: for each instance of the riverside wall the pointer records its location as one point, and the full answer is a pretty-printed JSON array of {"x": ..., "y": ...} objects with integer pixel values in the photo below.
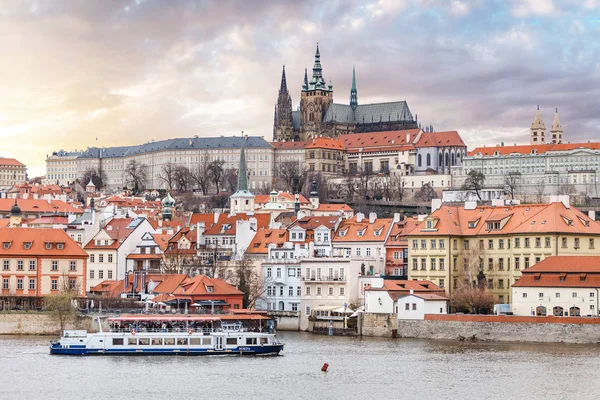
[
  {"x": 35, "y": 323},
  {"x": 486, "y": 328}
]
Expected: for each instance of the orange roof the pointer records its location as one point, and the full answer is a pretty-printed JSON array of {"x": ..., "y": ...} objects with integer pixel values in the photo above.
[
  {"x": 135, "y": 256},
  {"x": 310, "y": 223},
  {"x": 262, "y": 221},
  {"x": 39, "y": 206},
  {"x": 10, "y": 162},
  {"x": 562, "y": 271},
  {"x": 117, "y": 230},
  {"x": 207, "y": 218},
  {"x": 289, "y": 145},
  {"x": 37, "y": 238},
  {"x": 197, "y": 286},
  {"x": 526, "y": 149},
  {"x": 400, "y": 230},
  {"x": 528, "y": 218},
  {"x": 378, "y": 141},
  {"x": 49, "y": 220},
  {"x": 281, "y": 196},
  {"x": 325, "y": 143},
  {"x": 403, "y": 285},
  {"x": 334, "y": 207},
  {"x": 440, "y": 139},
  {"x": 262, "y": 239},
  {"x": 162, "y": 240},
  {"x": 108, "y": 288},
  {"x": 352, "y": 231},
  {"x": 169, "y": 283}
]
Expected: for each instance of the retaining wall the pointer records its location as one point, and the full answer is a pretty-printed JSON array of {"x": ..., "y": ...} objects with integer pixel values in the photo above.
[
  {"x": 34, "y": 323},
  {"x": 486, "y": 328}
]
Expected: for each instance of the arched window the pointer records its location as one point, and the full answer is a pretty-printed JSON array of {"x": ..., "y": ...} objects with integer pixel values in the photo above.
[
  {"x": 540, "y": 311},
  {"x": 440, "y": 160},
  {"x": 281, "y": 306},
  {"x": 419, "y": 163},
  {"x": 453, "y": 159},
  {"x": 428, "y": 160},
  {"x": 446, "y": 159},
  {"x": 557, "y": 311},
  {"x": 574, "y": 312}
]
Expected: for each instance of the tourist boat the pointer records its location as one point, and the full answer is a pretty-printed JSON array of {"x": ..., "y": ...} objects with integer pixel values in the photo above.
[{"x": 172, "y": 334}]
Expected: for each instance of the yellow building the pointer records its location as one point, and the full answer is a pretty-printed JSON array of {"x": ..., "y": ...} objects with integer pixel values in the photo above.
[{"x": 492, "y": 244}]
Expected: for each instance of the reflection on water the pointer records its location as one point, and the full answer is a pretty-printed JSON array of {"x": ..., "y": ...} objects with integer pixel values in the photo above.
[{"x": 359, "y": 368}]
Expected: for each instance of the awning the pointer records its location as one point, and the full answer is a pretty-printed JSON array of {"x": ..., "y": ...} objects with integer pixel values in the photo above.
[
  {"x": 209, "y": 303},
  {"x": 325, "y": 308},
  {"x": 341, "y": 310},
  {"x": 177, "y": 301}
]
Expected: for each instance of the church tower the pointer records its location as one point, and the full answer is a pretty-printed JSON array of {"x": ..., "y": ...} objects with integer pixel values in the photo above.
[
  {"x": 538, "y": 130},
  {"x": 282, "y": 125},
  {"x": 353, "y": 92},
  {"x": 242, "y": 201},
  {"x": 556, "y": 132},
  {"x": 315, "y": 98}
]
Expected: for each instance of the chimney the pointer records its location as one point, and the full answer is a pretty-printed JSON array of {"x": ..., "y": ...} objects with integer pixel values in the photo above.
[
  {"x": 359, "y": 217},
  {"x": 372, "y": 217},
  {"x": 436, "y": 204},
  {"x": 412, "y": 291},
  {"x": 470, "y": 205},
  {"x": 565, "y": 199},
  {"x": 592, "y": 215},
  {"x": 408, "y": 138},
  {"x": 200, "y": 228},
  {"x": 396, "y": 217}
]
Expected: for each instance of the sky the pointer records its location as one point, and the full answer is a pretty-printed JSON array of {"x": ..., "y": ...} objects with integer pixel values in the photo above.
[{"x": 75, "y": 74}]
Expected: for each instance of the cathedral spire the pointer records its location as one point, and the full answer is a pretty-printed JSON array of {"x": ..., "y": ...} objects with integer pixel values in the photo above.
[
  {"x": 317, "y": 81},
  {"x": 538, "y": 129},
  {"x": 242, "y": 184},
  {"x": 305, "y": 84},
  {"x": 556, "y": 131},
  {"x": 353, "y": 91},
  {"x": 283, "y": 87}
]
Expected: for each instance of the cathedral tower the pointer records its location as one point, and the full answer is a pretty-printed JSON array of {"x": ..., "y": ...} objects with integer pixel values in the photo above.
[
  {"x": 315, "y": 99},
  {"x": 538, "y": 130},
  {"x": 353, "y": 92},
  {"x": 242, "y": 201},
  {"x": 556, "y": 132},
  {"x": 282, "y": 124}
]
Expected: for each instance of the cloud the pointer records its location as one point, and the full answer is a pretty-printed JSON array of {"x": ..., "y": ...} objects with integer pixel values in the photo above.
[{"x": 527, "y": 8}]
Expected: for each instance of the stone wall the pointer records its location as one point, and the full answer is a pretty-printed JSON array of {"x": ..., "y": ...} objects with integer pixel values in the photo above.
[
  {"x": 36, "y": 323},
  {"x": 486, "y": 328}
]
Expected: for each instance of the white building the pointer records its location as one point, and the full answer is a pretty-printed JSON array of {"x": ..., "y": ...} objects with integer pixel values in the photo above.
[
  {"x": 416, "y": 305},
  {"x": 559, "y": 286},
  {"x": 383, "y": 296}
]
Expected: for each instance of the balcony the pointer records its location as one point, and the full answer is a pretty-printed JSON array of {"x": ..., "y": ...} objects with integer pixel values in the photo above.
[{"x": 323, "y": 278}]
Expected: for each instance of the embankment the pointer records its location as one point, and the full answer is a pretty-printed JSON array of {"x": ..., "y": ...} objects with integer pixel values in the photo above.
[
  {"x": 37, "y": 323},
  {"x": 501, "y": 328}
]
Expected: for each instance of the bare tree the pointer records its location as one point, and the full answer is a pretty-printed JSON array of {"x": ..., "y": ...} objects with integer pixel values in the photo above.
[
  {"x": 167, "y": 174},
  {"x": 426, "y": 193},
  {"x": 539, "y": 190},
  {"x": 136, "y": 175},
  {"x": 511, "y": 184},
  {"x": 249, "y": 281},
  {"x": 63, "y": 304},
  {"x": 200, "y": 175},
  {"x": 567, "y": 188},
  {"x": 474, "y": 182},
  {"x": 292, "y": 175},
  {"x": 215, "y": 170},
  {"x": 98, "y": 178},
  {"x": 230, "y": 179},
  {"x": 182, "y": 177},
  {"x": 471, "y": 294}
]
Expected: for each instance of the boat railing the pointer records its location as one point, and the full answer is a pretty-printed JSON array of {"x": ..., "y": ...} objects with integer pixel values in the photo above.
[{"x": 162, "y": 330}]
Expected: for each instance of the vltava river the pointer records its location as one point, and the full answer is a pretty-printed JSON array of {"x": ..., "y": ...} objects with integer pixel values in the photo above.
[{"x": 367, "y": 368}]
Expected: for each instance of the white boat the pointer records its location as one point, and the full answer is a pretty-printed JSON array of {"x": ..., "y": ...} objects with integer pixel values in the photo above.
[{"x": 169, "y": 334}]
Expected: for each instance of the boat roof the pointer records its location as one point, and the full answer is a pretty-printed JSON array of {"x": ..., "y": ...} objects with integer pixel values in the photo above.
[{"x": 192, "y": 318}]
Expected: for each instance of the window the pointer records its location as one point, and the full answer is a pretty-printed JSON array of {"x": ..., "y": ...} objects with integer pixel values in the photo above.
[
  {"x": 342, "y": 291},
  {"x": 517, "y": 243},
  {"x": 517, "y": 263},
  {"x": 455, "y": 244},
  {"x": 524, "y": 295},
  {"x": 54, "y": 284},
  {"x": 101, "y": 274},
  {"x": 423, "y": 244},
  {"x": 490, "y": 264},
  {"x": 414, "y": 306},
  {"x": 269, "y": 273},
  {"x": 433, "y": 264},
  {"x": 92, "y": 258},
  {"x": 281, "y": 291},
  {"x": 557, "y": 295},
  {"x": 423, "y": 264},
  {"x": 91, "y": 274},
  {"x": 368, "y": 251},
  {"x": 442, "y": 264},
  {"x": 19, "y": 265},
  {"x": 490, "y": 244},
  {"x": 5, "y": 283},
  {"x": 442, "y": 244},
  {"x": 307, "y": 311},
  {"x": 526, "y": 243},
  {"x": 501, "y": 264},
  {"x": 466, "y": 245},
  {"x": 72, "y": 266},
  {"x": 490, "y": 283},
  {"x": 574, "y": 294},
  {"x": 538, "y": 242},
  {"x": 307, "y": 290},
  {"x": 576, "y": 244},
  {"x": 396, "y": 255},
  {"x": 455, "y": 264},
  {"x": 563, "y": 242},
  {"x": 100, "y": 258},
  {"x": 54, "y": 265},
  {"x": 294, "y": 306},
  {"x": 415, "y": 265},
  {"x": 110, "y": 276},
  {"x": 441, "y": 283},
  {"x": 290, "y": 291},
  {"x": 330, "y": 291},
  {"x": 526, "y": 262},
  {"x": 60, "y": 246},
  {"x": 299, "y": 291},
  {"x": 5, "y": 265},
  {"x": 110, "y": 258},
  {"x": 547, "y": 242},
  {"x": 72, "y": 283},
  {"x": 32, "y": 265},
  {"x": 279, "y": 272},
  {"x": 407, "y": 306},
  {"x": 500, "y": 243},
  {"x": 48, "y": 246},
  {"x": 433, "y": 243},
  {"x": 415, "y": 244},
  {"x": 500, "y": 283},
  {"x": 592, "y": 294},
  {"x": 20, "y": 284},
  {"x": 358, "y": 251},
  {"x": 541, "y": 295},
  {"x": 318, "y": 290},
  {"x": 591, "y": 243}
]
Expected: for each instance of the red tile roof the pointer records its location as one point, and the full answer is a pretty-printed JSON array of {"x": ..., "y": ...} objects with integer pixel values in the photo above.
[
  {"x": 281, "y": 196},
  {"x": 289, "y": 145},
  {"x": 571, "y": 264},
  {"x": 262, "y": 221},
  {"x": 352, "y": 231},
  {"x": 380, "y": 141},
  {"x": 526, "y": 149},
  {"x": 108, "y": 288},
  {"x": 29, "y": 206},
  {"x": 38, "y": 237},
  {"x": 310, "y": 223},
  {"x": 264, "y": 237},
  {"x": 334, "y": 207},
  {"x": 562, "y": 271},
  {"x": 169, "y": 283},
  {"x": 10, "y": 162},
  {"x": 198, "y": 286},
  {"x": 117, "y": 230},
  {"x": 400, "y": 230},
  {"x": 325, "y": 143},
  {"x": 440, "y": 139}
]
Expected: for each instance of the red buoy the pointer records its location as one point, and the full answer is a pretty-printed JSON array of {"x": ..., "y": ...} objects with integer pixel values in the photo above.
[{"x": 324, "y": 367}]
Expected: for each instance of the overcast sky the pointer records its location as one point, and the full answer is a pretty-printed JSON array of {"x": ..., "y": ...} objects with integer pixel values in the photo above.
[{"x": 127, "y": 72}]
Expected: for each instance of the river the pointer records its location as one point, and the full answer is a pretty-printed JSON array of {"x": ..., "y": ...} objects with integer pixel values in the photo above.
[{"x": 360, "y": 368}]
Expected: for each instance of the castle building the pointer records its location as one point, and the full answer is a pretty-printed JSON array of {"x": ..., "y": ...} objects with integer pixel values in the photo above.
[{"x": 318, "y": 115}]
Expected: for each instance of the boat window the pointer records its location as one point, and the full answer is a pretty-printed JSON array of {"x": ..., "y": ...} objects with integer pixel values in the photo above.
[
  {"x": 117, "y": 342},
  {"x": 156, "y": 341},
  {"x": 206, "y": 341},
  {"x": 132, "y": 341},
  {"x": 143, "y": 341},
  {"x": 251, "y": 340},
  {"x": 169, "y": 341},
  {"x": 182, "y": 341},
  {"x": 232, "y": 341},
  {"x": 195, "y": 341},
  {"x": 264, "y": 340}
]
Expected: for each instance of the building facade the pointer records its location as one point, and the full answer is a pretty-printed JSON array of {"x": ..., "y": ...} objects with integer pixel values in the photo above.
[{"x": 12, "y": 172}]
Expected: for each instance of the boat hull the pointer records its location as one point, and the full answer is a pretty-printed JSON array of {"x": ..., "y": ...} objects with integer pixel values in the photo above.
[{"x": 74, "y": 350}]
